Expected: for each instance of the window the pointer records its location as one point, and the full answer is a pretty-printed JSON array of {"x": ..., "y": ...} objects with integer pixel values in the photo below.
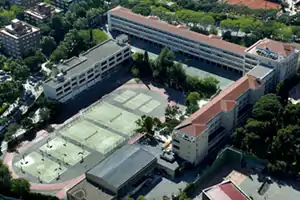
[
  {"x": 82, "y": 75},
  {"x": 91, "y": 75},
  {"x": 119, "y": 54},
  {"x": 111, "y": 59},
  {"x": 58, "y": 89},
  {"x": 104, "y": 68},
  {"x": 112, "y": 63},
  {"x": 176, "y": 147},
  {"x": 67, "y": 89},
  {"x": 174, "y": 140},
  {"x": 104, "y": 63},
  {"x": 90, "y": 71},
  {"x": 68, "y": 83},
  {"x": 81, "y": 81}
]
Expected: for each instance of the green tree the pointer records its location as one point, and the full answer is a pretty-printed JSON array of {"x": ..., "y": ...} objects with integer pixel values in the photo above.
[
  {"x": 142, "y": 9},
  {"x": 267, "y": 108},
  {"x": 172, "y": 112},
  {"x": 4, "y": 178},
  {"x": 45, "y": 114},
  {"x": 48, "y": 45},
  {"x": 18, "y": 71},
  {"x": 192, "y": 98},
  {"x": 11, "y": 131},
  {"x": 20, "y": 187},
  {"x": 26, "y": 123},
  {"x": 147, "y": 125}
]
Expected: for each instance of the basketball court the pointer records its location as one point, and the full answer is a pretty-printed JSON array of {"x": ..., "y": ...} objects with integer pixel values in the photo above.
[
  {"x": 137, "y": 101},
  {"x": 41, "y": 167},
  {"x": 125, "y": 96},
  {"x": 149, "y": 107}
]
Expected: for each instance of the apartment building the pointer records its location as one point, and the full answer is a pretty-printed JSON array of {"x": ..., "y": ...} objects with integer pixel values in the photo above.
[
  {"x": 63, "y": 4},
  {"x": 19, "y": 37},
  {"x": 79, "y": 73},
  {"x": 179, "y": 38},
  {"x": 40, "y": 13},
  {"x": 24, "y": 3}
]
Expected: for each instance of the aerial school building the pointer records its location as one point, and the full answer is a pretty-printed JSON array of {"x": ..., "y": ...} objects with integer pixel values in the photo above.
[{"x": 263, "y": 65}]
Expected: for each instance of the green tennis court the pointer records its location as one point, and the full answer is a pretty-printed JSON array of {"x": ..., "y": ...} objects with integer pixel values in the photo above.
[
  {"x": 92, "y": 136},
  {"x": 41, "y": 167},
  {"x": 64, "y": 151},
  {"x": 113, "y": 117},
  {"x": 137, "y": 101},
  {"x": 150, "y": 106},
  {"x": 125, "y": 96}
]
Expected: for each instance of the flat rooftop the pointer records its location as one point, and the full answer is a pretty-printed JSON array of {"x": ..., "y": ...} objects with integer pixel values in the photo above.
[
  {"x": 272, "y": 49},
  {"x": 18, "y": 29},
  {"x": 87, "y": 190},
  {"x": 260, "y": 71},
  {"x": 154, "y": 147},
  {"x": 77, "y": 65},
  {"x": 122, "y": 165}
]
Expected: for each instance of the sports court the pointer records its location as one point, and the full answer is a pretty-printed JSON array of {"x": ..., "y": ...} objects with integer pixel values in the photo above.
[
  {"x": 92, "y": 136},
  {"x": 64, "y": 151},
  {"x": 137, "y": 101},
  {"x": 113, "y": 117},
  {"x": 41, "y": 167},
  {"x": 125, "y": 96},
  {"x": 149, "y": 107}
]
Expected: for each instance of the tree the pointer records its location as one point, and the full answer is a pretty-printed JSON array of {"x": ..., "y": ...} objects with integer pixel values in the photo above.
[
  {"x": 147, "y": 125},
  {"x": 213, "y": 30},
  {"x": 9, "y": 91},
  {"x": 11, "y": 131},
  {"x": 34, "y": 61},
  {"x": 18, "y": 71},
  {"x": 20, "y": 187},
  {"x": 192, "y": 98},
  {"x": 267, "y": 108},
  {"x": 141, "y": 197},
  {"x": 142, "y": 9},
  {"x": 172, "y": 112},
  {"x": 4, "y": 178},
  {"x": 26, "y": 123},
  {"x": 48, "y": 45},
  {"x": 44, "y": 114}
]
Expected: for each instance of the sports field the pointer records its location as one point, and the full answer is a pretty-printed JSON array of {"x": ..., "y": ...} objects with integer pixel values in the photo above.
[
  {"x": 113, "y": 117},
  {"x": 255, "y": 4},
  {"x": 92, "y": 136},
  {"x": 64, "y": 151},
  {"x": 41, "y": 167},
  {"x": 149, "y": 107}
]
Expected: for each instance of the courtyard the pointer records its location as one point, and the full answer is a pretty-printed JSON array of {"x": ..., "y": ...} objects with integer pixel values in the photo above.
[{"x": 93, "y": 134}]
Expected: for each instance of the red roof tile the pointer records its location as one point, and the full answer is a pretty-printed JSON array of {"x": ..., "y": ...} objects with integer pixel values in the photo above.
[
  {"x": 212, "y": 41},
  {"x": 223, "y": 102},
  {"x": 225, "y": 191}
]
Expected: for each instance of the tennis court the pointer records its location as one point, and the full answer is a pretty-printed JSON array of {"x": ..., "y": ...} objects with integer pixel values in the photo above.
[
  {"x": 93, "y": 136},
  {"x": 125, "y": 96},
  {"x": 150, "y": 106},
  {"x": 41, "y": 167},
  {"x": 137, "y": 101},
  {"x": 64, "y": 151},
  {"x": 113, "y": 117}
]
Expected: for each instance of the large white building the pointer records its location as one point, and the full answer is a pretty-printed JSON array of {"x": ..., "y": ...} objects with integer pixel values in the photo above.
[
  {"x": 79, "y": 73},
  {"x": 263, "y": 64},
  {"x": 179, "y": 38}
]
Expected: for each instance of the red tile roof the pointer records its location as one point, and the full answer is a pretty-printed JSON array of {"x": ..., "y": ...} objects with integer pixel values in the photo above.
[
  {"x": 225, "y": 191},
  {"x": 221, "y": 44},
  {"x": 223, "y": 102}
]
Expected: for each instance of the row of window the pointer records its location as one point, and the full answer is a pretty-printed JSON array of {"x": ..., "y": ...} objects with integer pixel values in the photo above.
[{"x": 182, "y": 39}]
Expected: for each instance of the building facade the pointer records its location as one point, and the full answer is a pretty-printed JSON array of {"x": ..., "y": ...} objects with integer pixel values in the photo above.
[
  {"x": 63, "y": 4},
  {"x": 263, "y": 65},
  {"x": 19, "y": 38},
  {"x": 24, "y": 3},
  {"x": 79, "y": 73},
  {"x": 210, "y": 48},
  {"x": 40, "y": 13}
]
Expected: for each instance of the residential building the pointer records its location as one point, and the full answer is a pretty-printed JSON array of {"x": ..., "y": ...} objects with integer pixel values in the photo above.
[
  {"x": 117, "y": 175},
  {"x": 24, "y": 3},
  {"x": 63, "y": 4},
  {"x": 225, "y": 190},
  {"x": 19, "y": 37},
  {"x": 79, "y": 73},
  {"x": 179, "y": 38},
  {"x": 40, "y": 13}
]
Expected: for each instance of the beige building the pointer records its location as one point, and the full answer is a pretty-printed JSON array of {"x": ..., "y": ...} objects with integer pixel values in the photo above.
[
  {"x": 40, "y": 13},
  {"x": 19, "y": 37},
  {"x": 179, "y": 38},
  {"x": 79, "y": 73}
]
